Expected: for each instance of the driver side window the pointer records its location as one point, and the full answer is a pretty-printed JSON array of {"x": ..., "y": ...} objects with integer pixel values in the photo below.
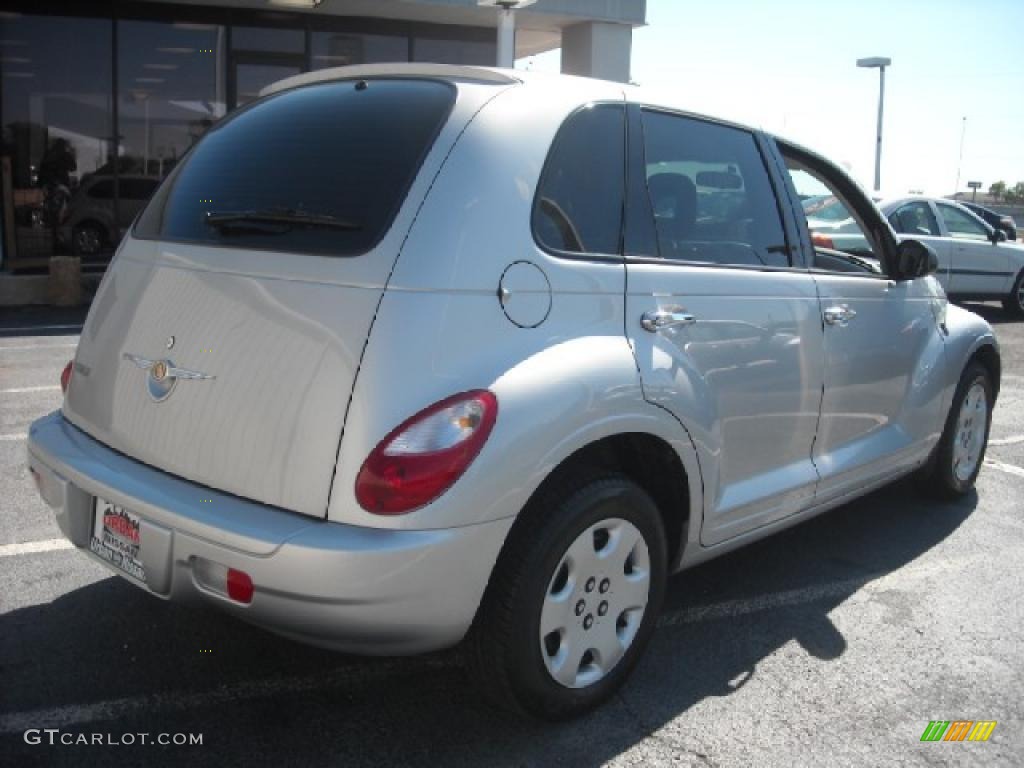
[
  {"x": 838, "y": 236},
  {"x": 915, "y": 219}
]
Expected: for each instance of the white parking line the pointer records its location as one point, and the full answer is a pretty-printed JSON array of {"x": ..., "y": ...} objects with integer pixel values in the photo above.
[
  {"x": 118, "y": 709},
  {"x": 12, "y": 437},
  {"x": 16, "y": 329},
  {"x": 33, "y": 547},
  {"x": 1010, "y": 469},
  {"x": 22, "y": 390},
  {"x": 1011, "y": 440},
  {"x": 39, "y": 346}
]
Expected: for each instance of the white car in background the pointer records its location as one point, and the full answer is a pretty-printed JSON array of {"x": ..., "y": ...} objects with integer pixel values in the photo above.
[{"x": 975, "y": 260}]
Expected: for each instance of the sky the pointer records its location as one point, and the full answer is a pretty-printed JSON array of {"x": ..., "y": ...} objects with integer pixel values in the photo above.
[{"x": 789, "y": 67}]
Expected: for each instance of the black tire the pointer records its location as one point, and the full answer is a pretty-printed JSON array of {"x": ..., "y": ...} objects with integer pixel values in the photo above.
[
  {"x": 88, "y": 239},
  {"x": 939, "y": 477},
  {"x": 1014, "y": 303},
  {"x": 503, "y": 649}
]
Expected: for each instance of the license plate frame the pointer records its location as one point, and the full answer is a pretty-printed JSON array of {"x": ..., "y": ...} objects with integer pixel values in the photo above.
[{"x": 116, "y": 538}]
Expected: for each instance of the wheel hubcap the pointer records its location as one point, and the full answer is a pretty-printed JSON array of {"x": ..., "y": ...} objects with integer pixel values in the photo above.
[
  {"x": 1020, "y": 294},
  {"x": 595, "y": 603},
  {"x": 970, "y": 432},
  {"x": 88, "y": 240}
]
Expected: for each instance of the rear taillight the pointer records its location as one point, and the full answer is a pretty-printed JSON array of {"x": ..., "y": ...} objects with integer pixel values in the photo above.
[
  {"x": 65, "y": 377},
  {"x": 426, "y": 454},
  {"x": 822, "y": 241}
]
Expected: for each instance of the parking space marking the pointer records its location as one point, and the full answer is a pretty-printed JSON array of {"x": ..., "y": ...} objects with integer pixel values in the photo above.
[
  {"x": 38, "y": 346},
  {"x": 1012, "y": 440},
  {"x": 17, "y": 329},
  {"x": 46, "y": 388},
  {"x": 13, "y": 436},
  {"x": 118, "y": 709},
  {"x": 33, "y": 547},
  {"x": 1010, "y": 469}
]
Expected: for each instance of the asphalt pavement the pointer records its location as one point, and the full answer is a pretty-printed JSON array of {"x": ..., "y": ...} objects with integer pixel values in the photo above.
[{"x": 832, "y": 644}]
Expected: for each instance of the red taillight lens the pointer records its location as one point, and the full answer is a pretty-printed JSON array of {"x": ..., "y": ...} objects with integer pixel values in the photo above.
[
  {"x": 822, "y": 241},
  {"x": 239, "y": 586},
  {"x": 426, "y": 454},
  {"x": 65, "y": 377}
]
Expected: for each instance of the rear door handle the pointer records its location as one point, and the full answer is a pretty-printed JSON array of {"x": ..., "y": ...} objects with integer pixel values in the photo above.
[
  {"x": 840, "y": 315},
  {"x": 666, "y": 318}
]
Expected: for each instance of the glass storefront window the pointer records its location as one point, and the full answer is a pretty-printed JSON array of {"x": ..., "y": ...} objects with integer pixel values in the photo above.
[
  {"x": 171, "y": 90},
  {"x": 339, "y": 49},
  {"x": 268, "y": 39},
  {"x": 56, "y": 113},
  {"x": 443, "y": 51}
]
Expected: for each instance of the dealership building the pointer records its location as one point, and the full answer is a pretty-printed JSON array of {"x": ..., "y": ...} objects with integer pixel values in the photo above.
[{"x": 100, "y": 98}]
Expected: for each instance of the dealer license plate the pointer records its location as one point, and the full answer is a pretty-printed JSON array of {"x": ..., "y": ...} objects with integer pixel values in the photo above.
[{"x": 115, "y": 538}]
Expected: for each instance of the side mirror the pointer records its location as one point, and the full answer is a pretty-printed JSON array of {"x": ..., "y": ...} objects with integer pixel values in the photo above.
[
  {"x": 915, "y": 259},
  {"x": 997, "y": 236}
]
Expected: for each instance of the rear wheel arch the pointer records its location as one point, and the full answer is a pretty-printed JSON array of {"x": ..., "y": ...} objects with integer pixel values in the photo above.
[
  {"x": 989, "y": 358},
  {"x": 647, "y": 460}
]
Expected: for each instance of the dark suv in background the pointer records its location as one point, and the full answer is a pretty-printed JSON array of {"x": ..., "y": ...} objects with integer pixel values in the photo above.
[{"x": 999, "y": 221}]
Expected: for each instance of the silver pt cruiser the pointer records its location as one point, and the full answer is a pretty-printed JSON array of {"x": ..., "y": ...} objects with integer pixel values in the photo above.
[{"x": 404, "y": 356}]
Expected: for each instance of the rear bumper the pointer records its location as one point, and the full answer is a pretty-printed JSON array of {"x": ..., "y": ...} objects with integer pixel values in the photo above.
[{"x": 356, "y": 589}]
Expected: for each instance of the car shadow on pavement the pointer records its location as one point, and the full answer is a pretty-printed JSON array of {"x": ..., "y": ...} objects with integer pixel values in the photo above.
[
  {"x": 993, "y": 313},
  {"x": 108, "y": 658}
]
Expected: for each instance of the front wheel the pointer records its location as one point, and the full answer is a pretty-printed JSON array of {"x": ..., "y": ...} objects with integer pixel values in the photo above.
[
  {"x": 958, "y": 457},
  {"x": 573, "y": 599},
  {"x": 1014, "y": 303}
]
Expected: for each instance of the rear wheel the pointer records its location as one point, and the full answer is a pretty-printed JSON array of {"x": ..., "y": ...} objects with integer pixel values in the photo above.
[
  {"x": 958, "y": 457},
  {"x": 87, "y": 239},
  {"x": 1014, "y": 303},
  {"x": 573, "y": 599}
]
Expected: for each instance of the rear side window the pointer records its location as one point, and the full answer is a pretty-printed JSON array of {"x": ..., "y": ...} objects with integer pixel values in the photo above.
[
  {"x": 579, "y": 201},
  {"x": 321, "y": 169},
  {"x": 711, "y": 195}
]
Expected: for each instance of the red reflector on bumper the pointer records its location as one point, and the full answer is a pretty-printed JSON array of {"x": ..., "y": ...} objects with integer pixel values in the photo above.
[{"x": 239, "y": 586}]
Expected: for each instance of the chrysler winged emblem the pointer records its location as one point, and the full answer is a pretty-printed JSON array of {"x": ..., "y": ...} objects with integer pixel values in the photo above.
[{"x": 163, "y": 375}]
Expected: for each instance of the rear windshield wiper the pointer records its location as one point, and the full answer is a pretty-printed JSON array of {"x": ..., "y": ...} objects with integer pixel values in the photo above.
[{"x": 286, "y": 217}]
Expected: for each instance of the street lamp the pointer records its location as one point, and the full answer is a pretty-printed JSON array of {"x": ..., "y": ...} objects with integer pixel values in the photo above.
[
  {"x": 506, "y": 27},
  {"x": 879, "y": 62}
]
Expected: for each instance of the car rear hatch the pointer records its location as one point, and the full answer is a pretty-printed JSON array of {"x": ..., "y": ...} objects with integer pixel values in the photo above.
[{"x": 224, "y": 341}]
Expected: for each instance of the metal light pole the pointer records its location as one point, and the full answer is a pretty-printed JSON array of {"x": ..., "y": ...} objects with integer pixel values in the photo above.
[
  {"x": 879, "y": 62},
  {"x": 960, "y": 159},
  {"x": 506, "y": 28}
]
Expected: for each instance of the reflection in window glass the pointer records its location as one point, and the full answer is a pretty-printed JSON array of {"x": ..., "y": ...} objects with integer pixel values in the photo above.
[
  {"x": 250, "y": 79},
  {"x": 835, "y": 233},
  {"x": 171, "y": 91},
  {"x": 339, "y": 49},
  {"x": 272, "y": 39},
  {"x": 711, "y": 195},
  {"x": 438, "y": 51},
  {"x": 56, "y": 120},
  {"x": 579, "y": 199}
]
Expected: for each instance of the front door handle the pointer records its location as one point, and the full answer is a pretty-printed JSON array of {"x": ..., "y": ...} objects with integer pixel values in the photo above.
[
  {"x": 666, "y": 318},
  {"x": 840, "y": 315}
]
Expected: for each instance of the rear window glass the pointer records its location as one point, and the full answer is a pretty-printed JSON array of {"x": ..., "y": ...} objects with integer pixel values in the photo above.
[{"x": 321, "y": 169}]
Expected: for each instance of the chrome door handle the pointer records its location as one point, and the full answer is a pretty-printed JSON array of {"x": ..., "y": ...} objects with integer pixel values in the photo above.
[
  {"x": 666, "y": 318},
  {"x": 840, "y": 315}
]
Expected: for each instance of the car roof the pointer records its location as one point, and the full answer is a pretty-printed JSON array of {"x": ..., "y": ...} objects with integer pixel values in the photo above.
[{"x": 595, "y": 88}]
